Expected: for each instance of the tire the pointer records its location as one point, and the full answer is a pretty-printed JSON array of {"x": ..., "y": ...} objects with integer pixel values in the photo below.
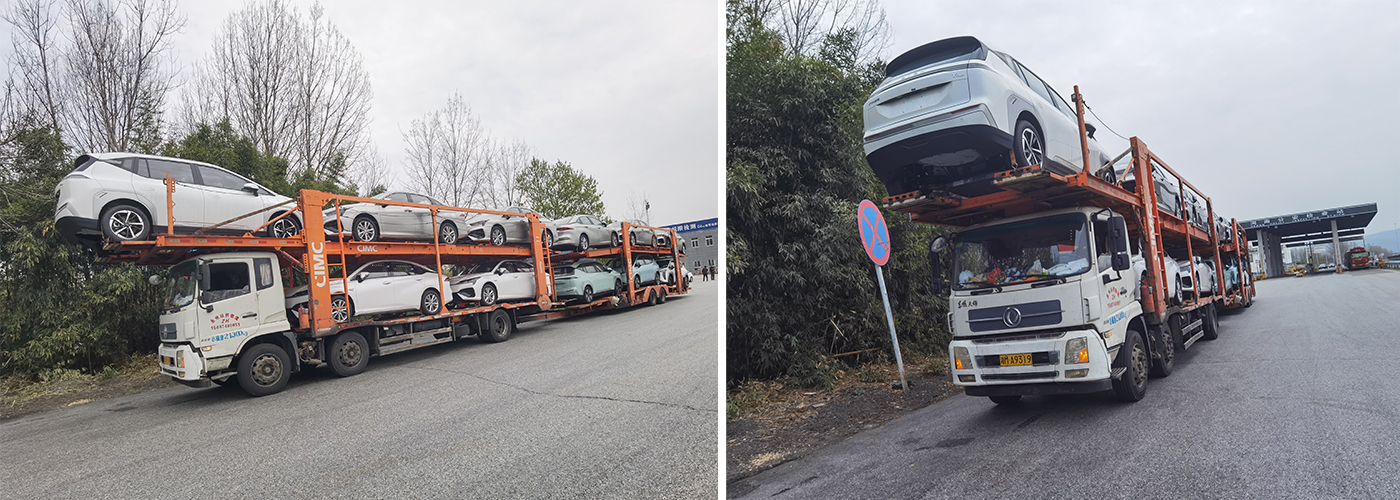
[
  {"x": 1179, "y": 287},
  {"x": 488, "y": 294},
  {"x": 285, "y": 227},
  {"x": 548, "y": 239},
  {"x": 447, "y": 233},
  {"x": 125, "y": 223},
  {"x": 616, "y": 240},
  {"x": 1171, "y": 345},
  {"x": 661, "y": 299},
  {"x": 498, "y": 235},
  {"x": 349, "y": 354},
  {"x": 1211, "y": 323},
  {"x": 338, "y": 301},
  {"x": 1132, "y": 386},
  {"x": 1028, "y": 144},
  {"x": 618, "y": 287},
  {"x": 365, "y": 228},
  {"x": 498, "y": 327},
  {"x": 431, "y": 303},
  {"x": 583, "y": 242},
  {"x": 651, "y": 298},
  {"x": 587, "y": 294},
  {"x": 264, "y": 369},
  {"x": 1005, "y": 400}
]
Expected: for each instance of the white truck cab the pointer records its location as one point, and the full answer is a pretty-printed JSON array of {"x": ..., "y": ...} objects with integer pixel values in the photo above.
[
  {"x": 214, "y": 307},
  {"x": 1042, "y": 303}
]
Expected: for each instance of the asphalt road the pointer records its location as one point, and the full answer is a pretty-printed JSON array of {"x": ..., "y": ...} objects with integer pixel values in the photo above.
[
  {"x": 1298, "y": 398},
  {"x": 619, "y": 405}
]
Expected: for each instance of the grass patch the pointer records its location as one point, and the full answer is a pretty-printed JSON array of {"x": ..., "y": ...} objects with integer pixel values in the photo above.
[{"x": 17, "y": 390}]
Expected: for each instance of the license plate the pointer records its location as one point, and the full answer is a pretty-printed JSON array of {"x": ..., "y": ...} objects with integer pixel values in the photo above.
[
  {"x": 1016, "y": 359},
  {"x": 167, "y": 360}
]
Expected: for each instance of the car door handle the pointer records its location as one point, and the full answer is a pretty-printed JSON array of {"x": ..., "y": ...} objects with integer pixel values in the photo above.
[{"x": 250, "y": 315}]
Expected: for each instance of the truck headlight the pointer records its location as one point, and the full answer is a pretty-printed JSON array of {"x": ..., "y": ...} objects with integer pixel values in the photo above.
[
  {"x": 961, "y": 359},
  {"x": 1077, "y": 351},
  {"x": 180, "y": 358}
]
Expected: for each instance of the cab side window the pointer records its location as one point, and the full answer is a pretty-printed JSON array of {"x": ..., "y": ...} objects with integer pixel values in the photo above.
[
  {"x": 1105, "y": 258},
  {"x": 227, "y": 280},
  {"x": 265, "y": 272}
]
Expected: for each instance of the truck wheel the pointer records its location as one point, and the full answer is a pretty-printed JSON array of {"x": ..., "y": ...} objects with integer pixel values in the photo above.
[
  {"x": 1163, "y": 367},
  {"x": 1005, "y": 400},
  {"x": 431, "y": 303},
  {"x": 349, "y": 353},
  {"x": 1028, "y": 144},
  {"x": 1212, "y": 324},
  {"x": 587, "y": 294},
  {"x": 651, "y": 297},
  {"x": 125, "y": 223},
  {"x": 365, "y": 228},
  {"x": 498, "y": 327},
  {"x": 264, "y": 369},
  {"x": 661, "y": 296},
  {"x": 1132, "y": 386}
]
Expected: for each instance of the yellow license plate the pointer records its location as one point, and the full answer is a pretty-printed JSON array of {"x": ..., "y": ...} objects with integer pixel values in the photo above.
[
  {"x": 1016, "y": 359},
  {"x": 167, "y": 360}
]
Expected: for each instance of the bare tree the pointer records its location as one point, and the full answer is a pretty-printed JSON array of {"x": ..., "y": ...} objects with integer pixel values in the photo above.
[
  {"x": 450, "y": 154},
  {"x": 106, "y": 88},
  {"x": 806, "y": 25},
  {"x": 507, "y": 163},
  {"x": 638, "y": 208},
  {"x": 372, "y": 174},
  {"x": 291, "y": 83}
]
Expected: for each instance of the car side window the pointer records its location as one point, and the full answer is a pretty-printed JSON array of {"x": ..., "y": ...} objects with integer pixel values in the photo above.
[
  {"x": 376, "y": 270},
  {"x": 1036, "y": 85},
  {"x": 1064, "y": 106},
  {"x": 157, "y": 169},
  {"x": 227, "y": 280},
  {"x": 214, "y": 177},
  {"x": 397, "y": 197}
]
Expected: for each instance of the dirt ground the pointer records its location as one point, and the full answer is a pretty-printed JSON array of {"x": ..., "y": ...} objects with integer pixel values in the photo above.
[
  {"x": 19, "y": 399},
  {"x": 792, "y": 423}
]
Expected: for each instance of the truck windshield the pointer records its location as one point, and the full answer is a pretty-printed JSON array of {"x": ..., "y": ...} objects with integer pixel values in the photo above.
[
  {"x": 179, "y": 290},
  {"x": 1021, "y": 252}
]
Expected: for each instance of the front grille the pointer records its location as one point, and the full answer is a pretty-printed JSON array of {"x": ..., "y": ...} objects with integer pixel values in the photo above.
[
  {"x": 1033, "y": 314},
  {"x": 1019, "y": 376}
]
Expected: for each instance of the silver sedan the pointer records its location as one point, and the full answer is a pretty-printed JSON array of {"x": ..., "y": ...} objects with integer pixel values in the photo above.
[
  {"x": 373, "y": 221},
  {"x": 585, "y": 231},
  {"x": 514, "y": 227},
  {"x": 640, "y": 235}
]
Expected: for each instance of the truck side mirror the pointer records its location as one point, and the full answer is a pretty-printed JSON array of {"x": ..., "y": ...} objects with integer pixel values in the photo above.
[
  {"x": 155, "y": 279},
  {"x": 1117, "y": 241},
  {"x": 935, "y": 251}
]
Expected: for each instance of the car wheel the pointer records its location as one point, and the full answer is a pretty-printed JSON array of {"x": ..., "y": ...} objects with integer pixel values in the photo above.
[
  {"x": 498, "y": 235},
  {"x": 498, "y": 327},
  {"x": 349, "y": 353},
  {"x": 365, "y": 228},
  {"x": 548, "y": 239},
  {"x": 618, "y": 287},
  {"x": 1132, "y": 385},
  {"x": 616, "y": 240},
  {"x": 583, "y": 242},
  {"x": 587, "y": 294},
  {"x": 263, "y": 369},
  {"x": 1028, "y": 144},
  {"x": 1005, "y": 400},
  {"x": 341, "y": 311},
  {"x": 125, "y": 223},
  {"x": 488, "y": 294},
  {"x": 447, "y": 233},
  {"x": 431, "y": 302},
  {"x": 285, "y": 227}
]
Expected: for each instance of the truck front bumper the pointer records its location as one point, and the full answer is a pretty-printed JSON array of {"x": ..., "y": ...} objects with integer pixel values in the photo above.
[
  {"x": 1048, "y": 373},
  {"x": 183, "y": 364}
]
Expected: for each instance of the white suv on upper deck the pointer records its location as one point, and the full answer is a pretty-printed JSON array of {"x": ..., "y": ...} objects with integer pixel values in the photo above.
[
  {"x": 948, "y": 112},
  {"x": 122, "y": 197}
]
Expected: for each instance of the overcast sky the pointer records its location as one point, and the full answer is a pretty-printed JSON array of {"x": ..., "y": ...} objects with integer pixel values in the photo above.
[
  {"x": 628, "y": 92},
  {"x": 1270, "y": 108}
]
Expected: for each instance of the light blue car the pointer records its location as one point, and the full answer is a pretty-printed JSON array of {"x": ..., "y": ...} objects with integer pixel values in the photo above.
[
  {"x": 645, "y": 270},
  {"x": 586, "y": 279}
]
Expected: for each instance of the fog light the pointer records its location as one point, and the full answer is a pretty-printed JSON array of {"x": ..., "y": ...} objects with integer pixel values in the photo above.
[
  {"x": 1077, "y": 351},
  {"x": 1077, "y": 373},
  {"x": 962, "y": 360},
  {"x": 973, "y": 378}
]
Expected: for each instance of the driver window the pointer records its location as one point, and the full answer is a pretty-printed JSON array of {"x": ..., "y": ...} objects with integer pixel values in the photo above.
[
  {"x": 1101, "y": 250},
  {"x": 227, "y": 280}
]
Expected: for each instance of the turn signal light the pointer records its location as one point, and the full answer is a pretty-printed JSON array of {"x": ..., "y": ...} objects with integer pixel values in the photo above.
[
  {"x": 1083, "y": 355},
  {"x": 958, "y": 363}
]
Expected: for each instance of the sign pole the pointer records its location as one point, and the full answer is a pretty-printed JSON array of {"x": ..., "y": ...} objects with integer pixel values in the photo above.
[{"x": 889, "y": 317}]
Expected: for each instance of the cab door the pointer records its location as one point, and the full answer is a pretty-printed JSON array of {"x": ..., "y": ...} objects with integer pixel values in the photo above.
[{"x": 228, "y": 306}]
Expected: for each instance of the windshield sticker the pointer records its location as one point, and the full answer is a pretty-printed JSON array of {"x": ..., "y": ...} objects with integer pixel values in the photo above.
[{"x": 224, "y": 321}]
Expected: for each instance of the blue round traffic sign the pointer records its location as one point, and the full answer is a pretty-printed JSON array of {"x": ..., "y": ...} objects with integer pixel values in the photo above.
[{"x": 873, "y": 232}]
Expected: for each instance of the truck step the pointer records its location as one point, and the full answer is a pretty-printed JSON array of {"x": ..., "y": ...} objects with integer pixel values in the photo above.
[
  {"x": 416, "y": 340},
  {"x": 1118, "y": 372},
  {"x": 1193, "y": 339}
]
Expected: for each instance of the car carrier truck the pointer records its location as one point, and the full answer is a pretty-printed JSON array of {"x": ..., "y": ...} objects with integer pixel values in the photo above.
[
  {"x": 1059, "y": 283},
  {"x": 224, "y": 315}
]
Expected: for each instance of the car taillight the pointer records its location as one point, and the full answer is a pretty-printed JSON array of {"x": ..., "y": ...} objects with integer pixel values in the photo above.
[{"x": 566, "y": 229}]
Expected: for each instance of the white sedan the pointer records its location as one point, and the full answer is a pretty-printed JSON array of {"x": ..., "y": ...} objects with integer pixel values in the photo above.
[
  {"x": 493, "y": 281},
  {"x": 379, "y": 287}
]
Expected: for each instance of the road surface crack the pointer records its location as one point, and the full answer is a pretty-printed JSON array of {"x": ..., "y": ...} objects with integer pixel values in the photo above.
[{"x": 571, "y": 396}]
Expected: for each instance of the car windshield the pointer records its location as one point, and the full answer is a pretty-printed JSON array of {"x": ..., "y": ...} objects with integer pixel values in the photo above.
[
  {"x": 179, "y": 290},
  {"x": 1021, "y": 252},
  {"x": 482, "y": 267}
]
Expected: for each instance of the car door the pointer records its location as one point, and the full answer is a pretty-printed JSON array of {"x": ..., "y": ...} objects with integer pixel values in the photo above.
[
  {"x": 372, "y": 289},
  {"x": 597, "y": 232},
  {"x": 410, "y": 280},
  {"x": 517, "y": 225},
  {"x": 225, "y": 199},
  {"x": 520, "y": 280},
  {"x": 188, "y": 196}
]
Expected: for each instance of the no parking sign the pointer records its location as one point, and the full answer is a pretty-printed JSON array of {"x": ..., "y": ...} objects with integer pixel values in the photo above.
[{"x": 875, "y": 236}]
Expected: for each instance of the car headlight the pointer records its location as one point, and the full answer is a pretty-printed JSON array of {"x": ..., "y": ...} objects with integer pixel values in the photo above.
[
  {"x": 962, "y": 360},
  {"x": 470, "y": 282},
  {"x": 478, "y": 223},
  {"x": 1077, "y": 351}
]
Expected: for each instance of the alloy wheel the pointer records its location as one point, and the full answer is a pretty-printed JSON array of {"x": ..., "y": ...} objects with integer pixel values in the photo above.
[
  {"x": 498, "y": 236},
  {"x": 448, "y": 234},
  {"x": 364, "y": 230},
  {"x": 284, "y": 228},
  {"x": 126, "y": 224},
  {"x": 340, "y": 312},
  {"x": 1030, "y": 144}
]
